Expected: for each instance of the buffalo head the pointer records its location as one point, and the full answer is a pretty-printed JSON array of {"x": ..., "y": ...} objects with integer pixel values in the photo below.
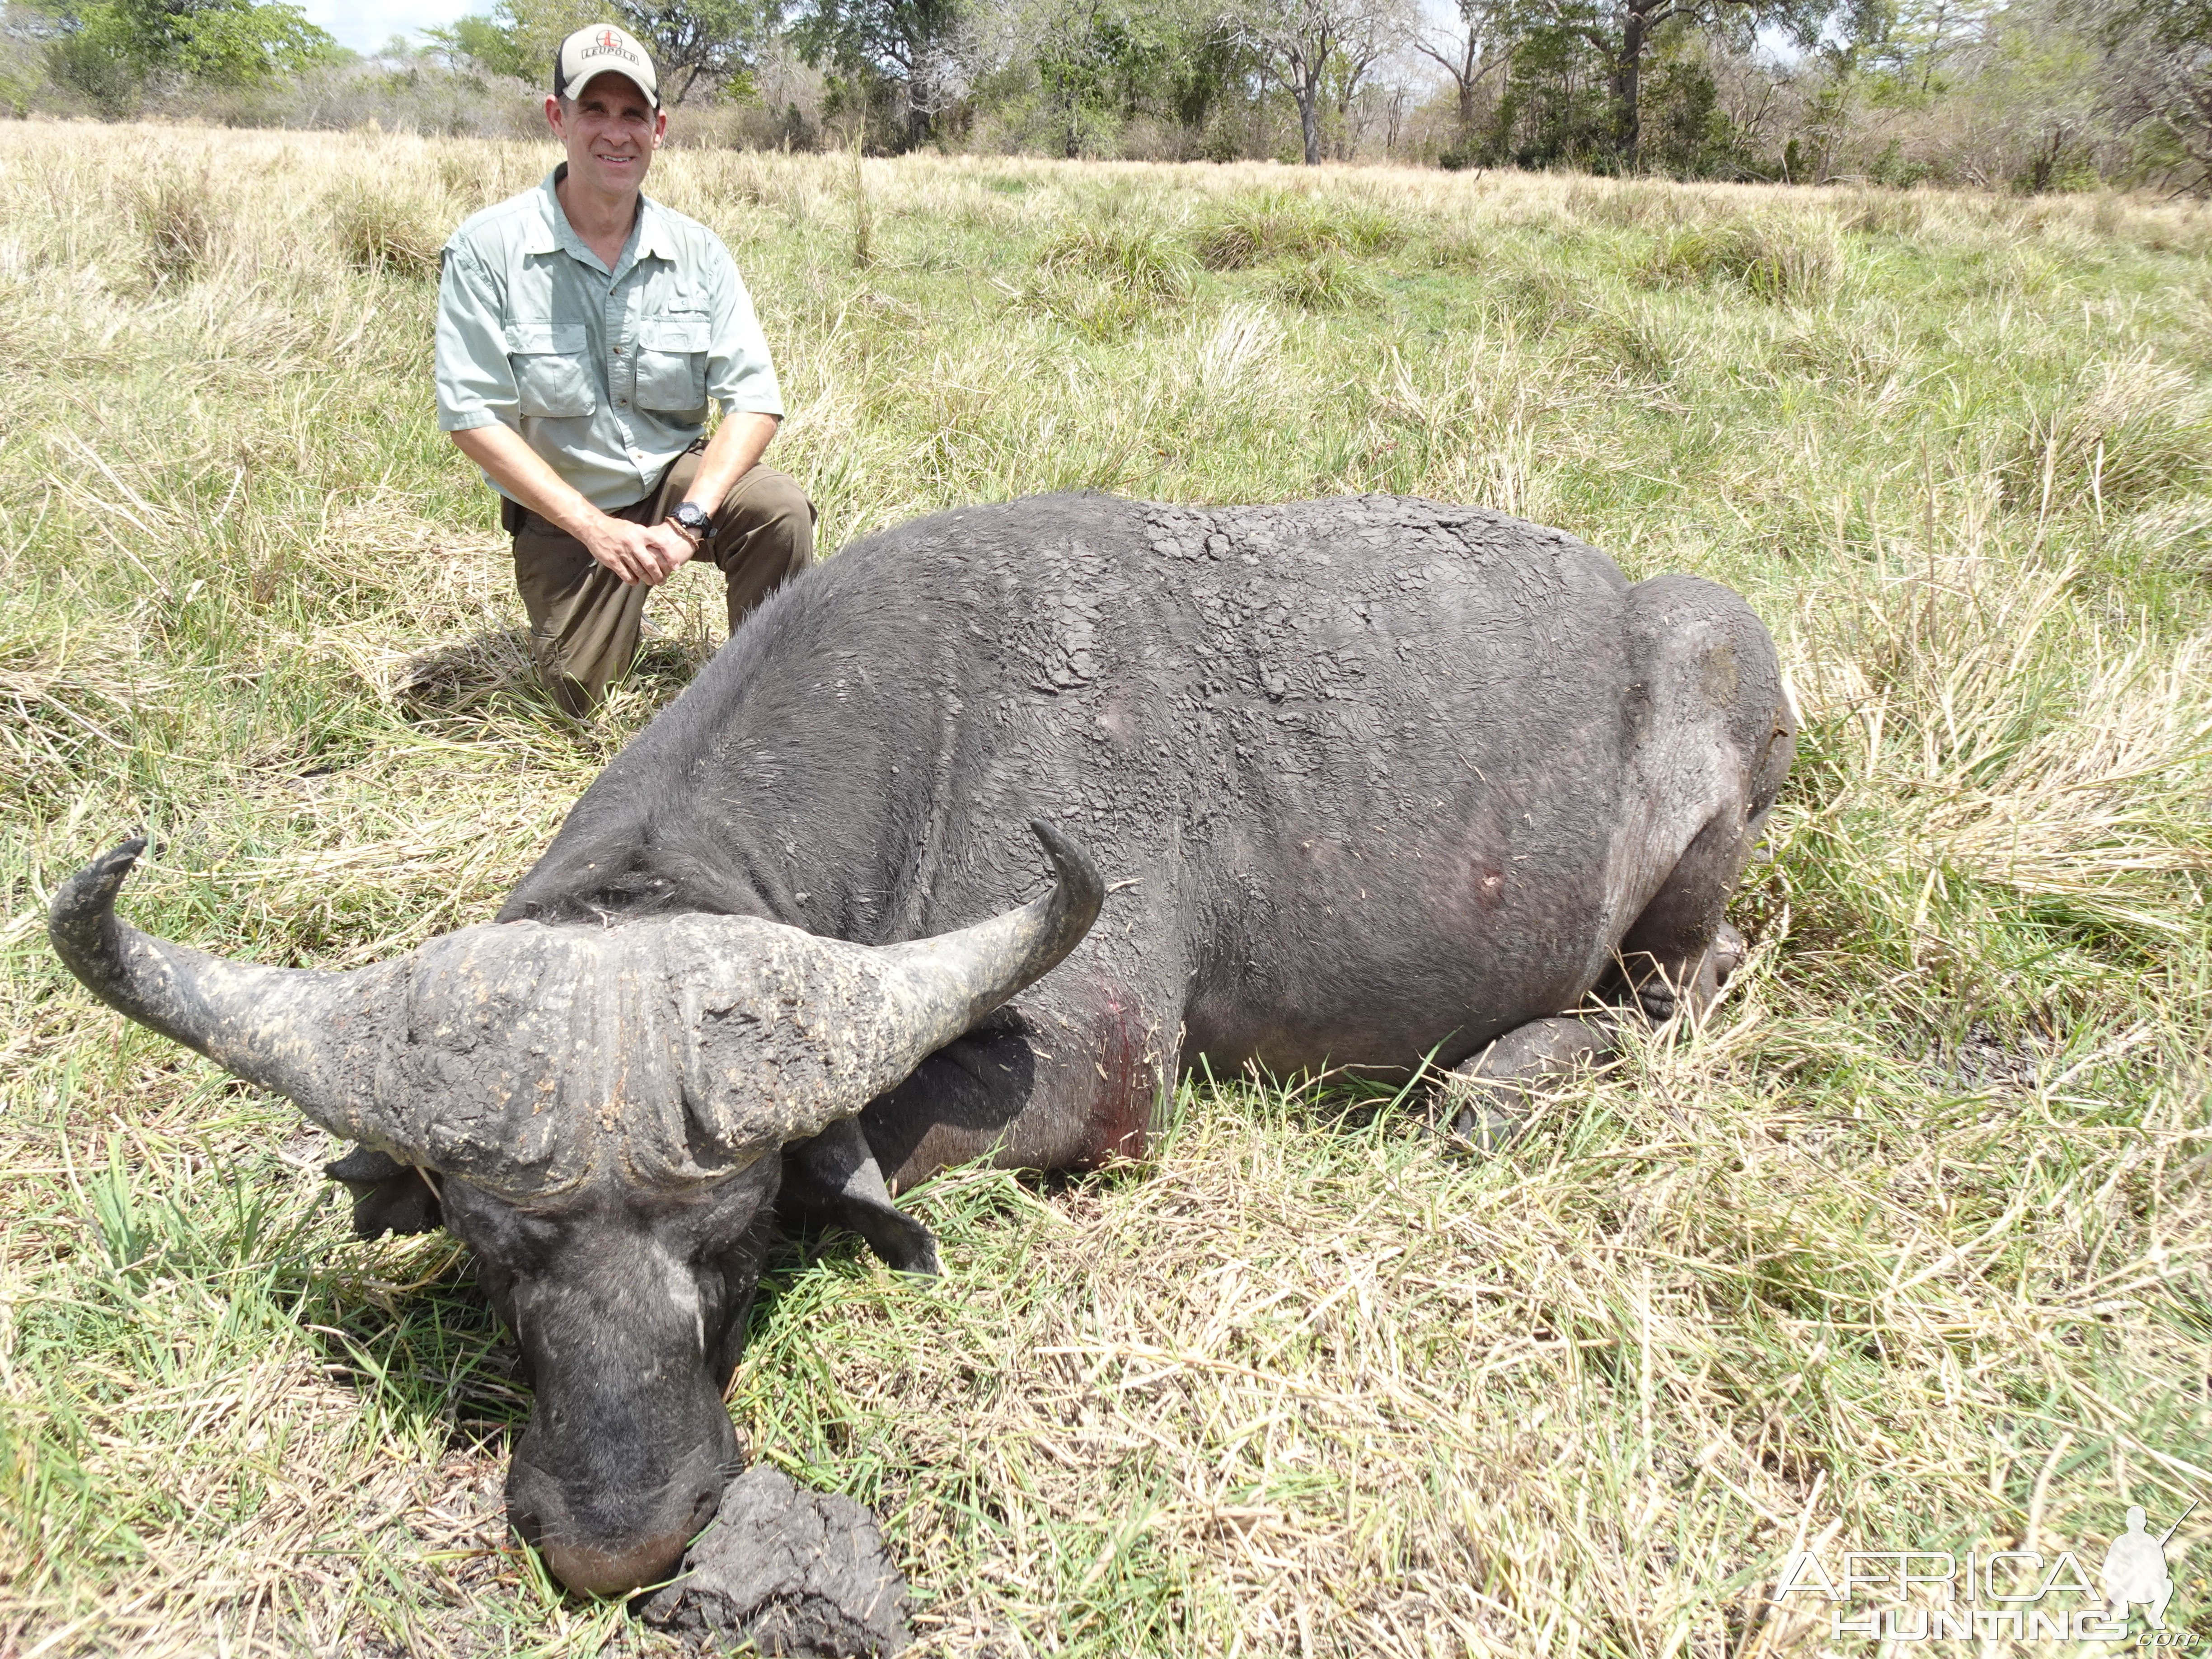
[{"x": 600, "y": 1109}]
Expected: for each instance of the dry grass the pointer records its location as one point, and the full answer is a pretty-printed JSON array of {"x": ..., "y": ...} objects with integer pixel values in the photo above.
[
  {"x": 377, "y": 232},
  {"x": 179, "y": 224},
  {"x": 1906, "y": 1247}
]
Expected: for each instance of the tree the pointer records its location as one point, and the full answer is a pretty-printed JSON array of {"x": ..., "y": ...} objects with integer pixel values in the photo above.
[
  {"x": 107, "y": 48},
  {"x": 2158, "y": 59},
  {"x": 1622, "y": 33},
  {"x": 1470, "y": 54},
  {"x": 1557, "y": 106},
  {"x": 479, "y": 43},
  {"x": 714, "y": 42},
  {"x": 695, "y": 44},
  {"x": 904, "y": 48},
  {"x": 1371, "y": 34},
  {"x": 1097, "y": 61},
  {"x": 1301, "y": 40},
  {"x": 1911, "y": 41}
]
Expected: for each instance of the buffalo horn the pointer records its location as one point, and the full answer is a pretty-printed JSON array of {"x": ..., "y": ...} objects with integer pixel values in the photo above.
[
  {"x": 787, "y": 1033},
  {"x": 938, "y": 988},
  {"x": 293, "y": 1030}
]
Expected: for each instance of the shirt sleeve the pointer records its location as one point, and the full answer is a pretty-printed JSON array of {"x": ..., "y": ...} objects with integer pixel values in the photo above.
[
  {"x": 739, "y": 376},
  {"x": 475, "y": 382}
]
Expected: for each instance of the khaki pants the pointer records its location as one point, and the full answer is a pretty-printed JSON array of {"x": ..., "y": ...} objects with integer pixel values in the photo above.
[{"x": 583, "y": 622}]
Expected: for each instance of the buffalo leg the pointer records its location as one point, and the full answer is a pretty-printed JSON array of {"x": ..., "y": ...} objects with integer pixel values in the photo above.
[
  {"x": 1488, "y": 1095},
  {"x": 834, "y": 1177},
  {"x": 1678, "y": 954}
]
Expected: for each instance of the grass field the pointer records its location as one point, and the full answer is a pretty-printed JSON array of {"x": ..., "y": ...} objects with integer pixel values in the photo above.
[{"x": 1907, "y": 1247}]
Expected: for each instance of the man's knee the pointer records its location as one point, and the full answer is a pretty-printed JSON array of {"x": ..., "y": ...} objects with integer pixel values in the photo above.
[{"x": 775, "y": 512}]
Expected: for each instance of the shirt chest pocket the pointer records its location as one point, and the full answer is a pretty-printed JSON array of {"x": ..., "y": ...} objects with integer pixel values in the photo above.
[
  {"x": 671, "y": 363},
  {"x": 552, "y": 375}
]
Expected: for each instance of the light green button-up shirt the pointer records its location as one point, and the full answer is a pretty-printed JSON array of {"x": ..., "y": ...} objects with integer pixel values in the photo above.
[{"x": 605, "y": 374}]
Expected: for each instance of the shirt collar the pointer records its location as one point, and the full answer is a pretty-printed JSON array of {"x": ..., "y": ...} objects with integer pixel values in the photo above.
[
  {"x": 544, "y": 233},
  {"x": 656, "y": 237},
  {"x": 551, "y": 232}
]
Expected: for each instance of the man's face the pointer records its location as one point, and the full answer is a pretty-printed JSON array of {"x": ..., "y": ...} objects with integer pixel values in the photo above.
[{"x": 610, "y": 132}]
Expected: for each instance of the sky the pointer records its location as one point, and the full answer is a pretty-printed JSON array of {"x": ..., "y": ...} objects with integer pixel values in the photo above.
[{"x": 365, "y": 25}]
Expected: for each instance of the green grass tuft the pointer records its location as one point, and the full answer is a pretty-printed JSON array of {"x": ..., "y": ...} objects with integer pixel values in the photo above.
[
  {"x": 2121, "y": 432},
  {"x": 1321, "y": 281},
  {"x": 1275, "y": 224},
  {"x": 1797, "y": 262},
  {"x": 1138, "y": 260}
]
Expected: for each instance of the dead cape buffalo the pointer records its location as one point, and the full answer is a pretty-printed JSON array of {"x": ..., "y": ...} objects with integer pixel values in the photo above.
[{"x": 1365, "y": 780}]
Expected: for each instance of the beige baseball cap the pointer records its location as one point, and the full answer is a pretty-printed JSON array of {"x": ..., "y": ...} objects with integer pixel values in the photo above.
[{"x": 603, "y": 49}]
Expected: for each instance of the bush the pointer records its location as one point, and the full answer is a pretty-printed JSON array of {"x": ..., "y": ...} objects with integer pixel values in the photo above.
[
  {"x": 102, "y": 78},
  {"x": 178, "y": 226},
  {"x": 1276, "y": 225},
  {"x": 378, "y": 233}
]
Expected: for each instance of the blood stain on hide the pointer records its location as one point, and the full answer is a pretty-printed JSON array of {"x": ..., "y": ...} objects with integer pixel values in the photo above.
[{"x": 1122, "y": 1119}]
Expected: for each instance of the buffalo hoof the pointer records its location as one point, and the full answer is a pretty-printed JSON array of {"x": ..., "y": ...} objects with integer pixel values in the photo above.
[
  {"x": 1487, "y": 1100},
  {"x": 791, "y": 1572},
  {"x": 1659, "y": 1000}
]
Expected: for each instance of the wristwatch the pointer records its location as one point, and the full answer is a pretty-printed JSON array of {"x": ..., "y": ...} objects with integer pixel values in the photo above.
[{"x": 688, "y": 518}]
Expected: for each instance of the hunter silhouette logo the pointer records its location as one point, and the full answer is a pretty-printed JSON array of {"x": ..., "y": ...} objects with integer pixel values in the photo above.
[{"x": 2134, "y": 1568}]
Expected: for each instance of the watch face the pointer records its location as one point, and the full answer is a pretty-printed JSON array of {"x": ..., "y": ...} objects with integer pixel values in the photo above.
[{"x": 691, "y": 518}]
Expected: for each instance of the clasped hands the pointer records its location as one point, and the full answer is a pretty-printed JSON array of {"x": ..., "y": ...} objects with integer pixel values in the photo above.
[{"x": 639, "y": 552}]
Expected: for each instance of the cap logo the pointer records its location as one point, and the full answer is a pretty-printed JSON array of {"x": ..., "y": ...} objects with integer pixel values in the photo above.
[{"x": 608, "y": 43}]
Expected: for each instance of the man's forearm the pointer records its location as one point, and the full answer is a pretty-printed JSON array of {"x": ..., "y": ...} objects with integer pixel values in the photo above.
[
  {"x": 520, "y": 471},
  {"x": 732, "y": 452}
]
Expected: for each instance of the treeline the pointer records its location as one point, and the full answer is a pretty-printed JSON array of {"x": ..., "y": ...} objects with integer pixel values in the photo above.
[{"x": 2028, "y": 94}]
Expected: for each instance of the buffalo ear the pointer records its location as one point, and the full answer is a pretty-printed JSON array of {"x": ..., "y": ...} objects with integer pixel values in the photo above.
[
  {"x": 834, "y": 1177},
  {"x": 388, "y": 1196}
]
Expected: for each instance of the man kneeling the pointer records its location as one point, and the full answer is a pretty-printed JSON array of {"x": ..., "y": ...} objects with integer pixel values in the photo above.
[{"x": 582, "y": 329}]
